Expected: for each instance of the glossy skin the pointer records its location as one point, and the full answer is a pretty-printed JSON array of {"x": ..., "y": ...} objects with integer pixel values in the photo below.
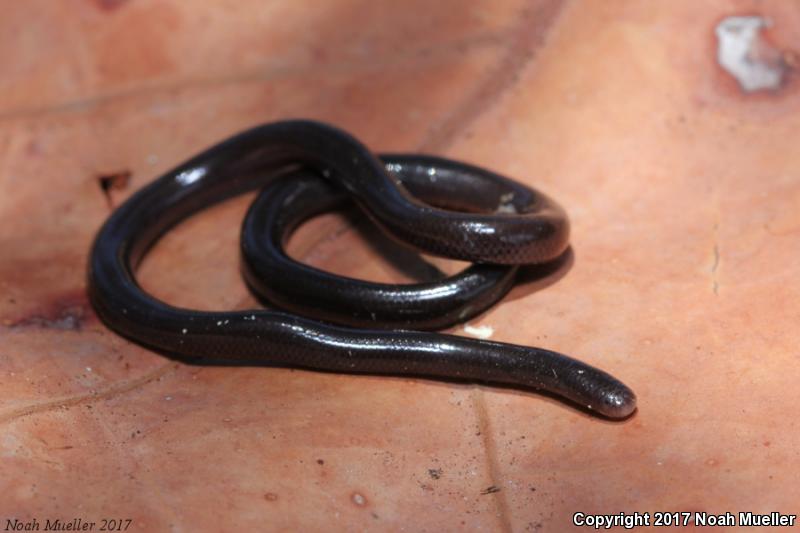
[
  {"x": 535, "y": 232},
  {"x": 288, "y": 201}
]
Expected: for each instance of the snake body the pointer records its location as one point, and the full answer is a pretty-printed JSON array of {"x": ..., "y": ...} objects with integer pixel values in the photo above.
[{"x": 307, "y": 167}]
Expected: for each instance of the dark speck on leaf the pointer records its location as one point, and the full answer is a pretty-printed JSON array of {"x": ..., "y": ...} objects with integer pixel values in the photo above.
[{"x": 113, "y": 181}]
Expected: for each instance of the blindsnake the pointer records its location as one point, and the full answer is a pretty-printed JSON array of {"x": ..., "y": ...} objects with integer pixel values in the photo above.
[{"x": 308, "y": 167}]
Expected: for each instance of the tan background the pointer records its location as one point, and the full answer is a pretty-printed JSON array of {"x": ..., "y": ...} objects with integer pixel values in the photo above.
[{"x": 683, "y": 193}]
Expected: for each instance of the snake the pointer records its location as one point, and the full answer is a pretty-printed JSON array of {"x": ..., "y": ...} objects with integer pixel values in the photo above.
[{"x": 324, "y": 322}]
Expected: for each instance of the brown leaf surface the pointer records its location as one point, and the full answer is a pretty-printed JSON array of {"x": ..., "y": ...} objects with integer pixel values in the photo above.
[{"x": 683, "y": 193}]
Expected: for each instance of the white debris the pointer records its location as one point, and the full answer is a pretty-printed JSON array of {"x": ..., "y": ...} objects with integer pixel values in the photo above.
[
  {"x": 482, "y": 332},
  {"x": 506, "y": 205},
  {"x": 744, "y": 55}
]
